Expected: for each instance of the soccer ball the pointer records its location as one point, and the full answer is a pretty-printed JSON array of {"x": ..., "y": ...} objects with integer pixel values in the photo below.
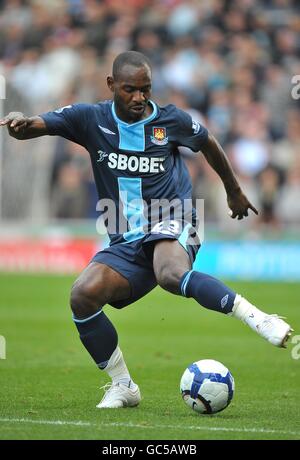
[{"x": 207, "y": 386}]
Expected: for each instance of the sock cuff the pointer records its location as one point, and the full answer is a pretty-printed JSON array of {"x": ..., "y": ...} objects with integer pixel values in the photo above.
[
  {"x": 85, "y": 320},
  {"x": 184, "y": 282}
]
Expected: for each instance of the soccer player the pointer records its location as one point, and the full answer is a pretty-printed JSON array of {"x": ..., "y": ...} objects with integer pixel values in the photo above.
[{"x": 133, "y": 144}]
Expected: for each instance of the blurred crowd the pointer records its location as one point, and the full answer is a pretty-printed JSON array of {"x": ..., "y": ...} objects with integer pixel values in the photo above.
[{"x": 230, "y": 63}]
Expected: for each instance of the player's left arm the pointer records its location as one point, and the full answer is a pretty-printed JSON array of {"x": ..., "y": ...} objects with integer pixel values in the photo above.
[{"x": 238, "y": 202}]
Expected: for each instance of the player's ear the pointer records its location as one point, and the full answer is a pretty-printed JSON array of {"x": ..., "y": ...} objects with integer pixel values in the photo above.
[{"x": 111, "y": 83}]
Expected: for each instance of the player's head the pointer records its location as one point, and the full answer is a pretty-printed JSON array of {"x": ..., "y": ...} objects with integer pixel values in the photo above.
[{"x": 131, "y": 84}]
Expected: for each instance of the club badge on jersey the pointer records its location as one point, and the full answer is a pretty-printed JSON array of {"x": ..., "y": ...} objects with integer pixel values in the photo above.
[{"x": 159, "y": 136}]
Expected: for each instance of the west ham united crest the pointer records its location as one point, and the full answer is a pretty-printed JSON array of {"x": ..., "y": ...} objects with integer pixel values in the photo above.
[{"x": 159, "y": 136}]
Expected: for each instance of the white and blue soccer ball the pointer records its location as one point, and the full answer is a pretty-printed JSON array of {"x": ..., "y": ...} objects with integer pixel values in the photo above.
[{"x": 207, "y": 386}]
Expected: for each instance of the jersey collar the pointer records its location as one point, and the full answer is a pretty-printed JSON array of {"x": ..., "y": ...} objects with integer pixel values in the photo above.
[{"x": 141, "y": 122}]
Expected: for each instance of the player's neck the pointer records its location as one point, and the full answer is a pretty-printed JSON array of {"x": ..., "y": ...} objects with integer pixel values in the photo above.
[{"x": 127, "y": 119}]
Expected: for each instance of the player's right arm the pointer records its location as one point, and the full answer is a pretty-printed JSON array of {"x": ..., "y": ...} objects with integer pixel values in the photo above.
[{"x": 21, "y": 127}]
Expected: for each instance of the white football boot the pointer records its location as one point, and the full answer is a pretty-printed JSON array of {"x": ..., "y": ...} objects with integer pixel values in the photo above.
[
  {"x": 270, "y": 327},
  {"x": 119, "y": 395},
  {"x": 275, "y": 330}
]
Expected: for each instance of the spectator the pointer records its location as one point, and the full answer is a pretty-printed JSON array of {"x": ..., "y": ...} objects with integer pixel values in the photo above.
[
  {"x": 269, "y": 191},
  {"x": 69, "y": 200},
  {"x": 288, "y": 209}
]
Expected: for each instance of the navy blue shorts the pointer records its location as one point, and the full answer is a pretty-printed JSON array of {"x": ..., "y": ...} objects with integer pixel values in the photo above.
[{"x": 134, "y": 261}]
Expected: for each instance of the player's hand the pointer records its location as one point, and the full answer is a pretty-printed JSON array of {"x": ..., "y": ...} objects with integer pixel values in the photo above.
[
  {"x": 16, "y": 122},
  {"x": 238, "y": 205}
]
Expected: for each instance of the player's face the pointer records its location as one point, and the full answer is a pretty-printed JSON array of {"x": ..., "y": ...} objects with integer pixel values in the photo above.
[{"x": 132, "y": 91}]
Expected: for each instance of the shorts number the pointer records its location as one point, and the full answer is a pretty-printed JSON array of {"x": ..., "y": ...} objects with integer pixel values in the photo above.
[{"x": 170, "y": 227}]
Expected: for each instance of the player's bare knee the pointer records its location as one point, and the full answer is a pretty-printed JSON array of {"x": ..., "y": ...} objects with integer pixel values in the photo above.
[
  {"x": 169, "y": 279},
  {"x": 83, "y": 300}
]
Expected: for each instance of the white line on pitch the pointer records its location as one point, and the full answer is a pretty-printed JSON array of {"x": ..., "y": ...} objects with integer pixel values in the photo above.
[
  {"x": 44, "y": 422},
  {"x": 135, "y": 425}
]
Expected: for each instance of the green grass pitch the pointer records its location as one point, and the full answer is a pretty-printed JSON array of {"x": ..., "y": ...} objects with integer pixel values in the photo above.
[{"x": 50, "y": 386}]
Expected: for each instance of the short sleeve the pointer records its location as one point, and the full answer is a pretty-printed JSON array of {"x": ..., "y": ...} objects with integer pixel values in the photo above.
[
  {"x": 69, "y": 122},
  {"x": 191, "y": 133}
]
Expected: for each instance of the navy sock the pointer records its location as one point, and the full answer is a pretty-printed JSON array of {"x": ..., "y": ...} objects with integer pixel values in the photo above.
[
  {"x": 99, "y": 337},
  {"x": 208, "y": 291}
]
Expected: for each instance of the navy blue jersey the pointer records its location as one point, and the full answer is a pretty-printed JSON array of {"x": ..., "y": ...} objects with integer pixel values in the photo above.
[{"x": 133, "y": 164}]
